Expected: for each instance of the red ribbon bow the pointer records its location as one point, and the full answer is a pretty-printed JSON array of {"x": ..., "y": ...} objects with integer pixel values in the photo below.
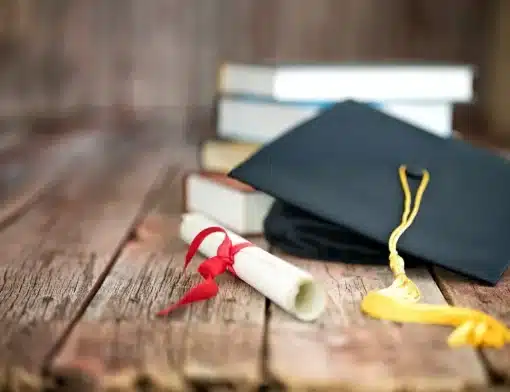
[{"x": 209, "y": 268}]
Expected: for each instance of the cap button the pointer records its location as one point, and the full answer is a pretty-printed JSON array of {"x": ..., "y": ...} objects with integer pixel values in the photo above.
[{"x": 414, "y": 172}]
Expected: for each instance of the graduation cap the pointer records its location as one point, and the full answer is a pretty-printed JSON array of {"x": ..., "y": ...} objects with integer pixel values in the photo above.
[{"x": 354, "y": 184}]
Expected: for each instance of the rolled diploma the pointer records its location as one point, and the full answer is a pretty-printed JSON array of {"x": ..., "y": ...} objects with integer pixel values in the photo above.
[{"x": 288, "y": 286}]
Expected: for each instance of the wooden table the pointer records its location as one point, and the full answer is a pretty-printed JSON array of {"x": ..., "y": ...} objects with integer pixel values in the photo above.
[{"x": 87, "y": 263}]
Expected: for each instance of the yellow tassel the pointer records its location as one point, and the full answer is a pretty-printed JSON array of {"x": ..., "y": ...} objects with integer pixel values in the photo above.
[{"x": 399, "y": 302}]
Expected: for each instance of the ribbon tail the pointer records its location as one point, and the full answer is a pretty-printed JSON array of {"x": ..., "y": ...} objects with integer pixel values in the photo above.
[{"x": 203, "y": 291}]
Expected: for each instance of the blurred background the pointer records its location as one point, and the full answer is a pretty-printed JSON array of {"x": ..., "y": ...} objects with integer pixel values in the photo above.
[{"x": 123, "y": 62}]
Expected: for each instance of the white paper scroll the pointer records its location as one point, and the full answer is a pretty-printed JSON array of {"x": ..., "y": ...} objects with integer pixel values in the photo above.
[{"x": 288, "y": 286}]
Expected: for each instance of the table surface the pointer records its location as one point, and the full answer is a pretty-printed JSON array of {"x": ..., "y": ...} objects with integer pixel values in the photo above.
[{"x": 90, "y": 253}]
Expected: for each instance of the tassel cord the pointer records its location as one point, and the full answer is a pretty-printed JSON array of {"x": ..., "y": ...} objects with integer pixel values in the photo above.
[{"x": 398, "y": 302}]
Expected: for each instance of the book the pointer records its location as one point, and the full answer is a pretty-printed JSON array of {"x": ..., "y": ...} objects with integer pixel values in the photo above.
[
  {"x": 229, "y": 202},
  {"x": 336, "y": 82},
  {"x": 221, "y": 156},
  {"x": 252, "y": 119}
]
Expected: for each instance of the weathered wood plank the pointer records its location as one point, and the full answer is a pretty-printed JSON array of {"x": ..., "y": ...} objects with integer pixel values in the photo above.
[
  {"x": 220, "y": 340},
  {"x": 491, "y": 300},
  {"x": 27, "y": 171},
  {"x": 122, "y": 354},
  {"x": 345, "y": 346},
  {"x": 494, "y": 301},
  {"x": 55, "y": 254},
  {"x": 23, "y": 348}
]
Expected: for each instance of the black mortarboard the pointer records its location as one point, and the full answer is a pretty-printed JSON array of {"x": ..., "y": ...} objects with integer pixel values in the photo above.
[{"x": 338, "y": 194}]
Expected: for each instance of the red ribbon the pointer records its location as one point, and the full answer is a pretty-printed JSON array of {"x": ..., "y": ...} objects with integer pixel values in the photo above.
[{"x": 209, "y": 268}]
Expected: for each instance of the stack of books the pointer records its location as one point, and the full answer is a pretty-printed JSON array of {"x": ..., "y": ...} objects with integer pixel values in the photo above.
[{"x": 258, "y": 103}]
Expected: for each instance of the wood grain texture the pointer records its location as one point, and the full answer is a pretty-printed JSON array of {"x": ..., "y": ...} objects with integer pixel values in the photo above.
[
  {"x": 122, "y": 355},
  {"x": 57, "y": 251},
  {"x": 220, "y": 339},
  {"x": 345, "y": 346},
  {"x": 494, "y": 301}
]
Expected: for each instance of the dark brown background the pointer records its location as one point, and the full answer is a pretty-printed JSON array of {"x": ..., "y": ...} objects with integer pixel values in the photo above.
[{"x": 157, "y": 57}]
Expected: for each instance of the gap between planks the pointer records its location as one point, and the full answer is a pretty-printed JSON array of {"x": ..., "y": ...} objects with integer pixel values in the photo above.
[
  {"x": 346, "y": 346},
  {"x": 217, "y": 342},
  {"x": 118, "y": 342},
  {"x": 57, "y": 252},
  {"x": 167, "y": 177},
  {"x": 495, "y": 301},
  {"x": 43, "y": 164},
  {"x": 202, "y": 342}
]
